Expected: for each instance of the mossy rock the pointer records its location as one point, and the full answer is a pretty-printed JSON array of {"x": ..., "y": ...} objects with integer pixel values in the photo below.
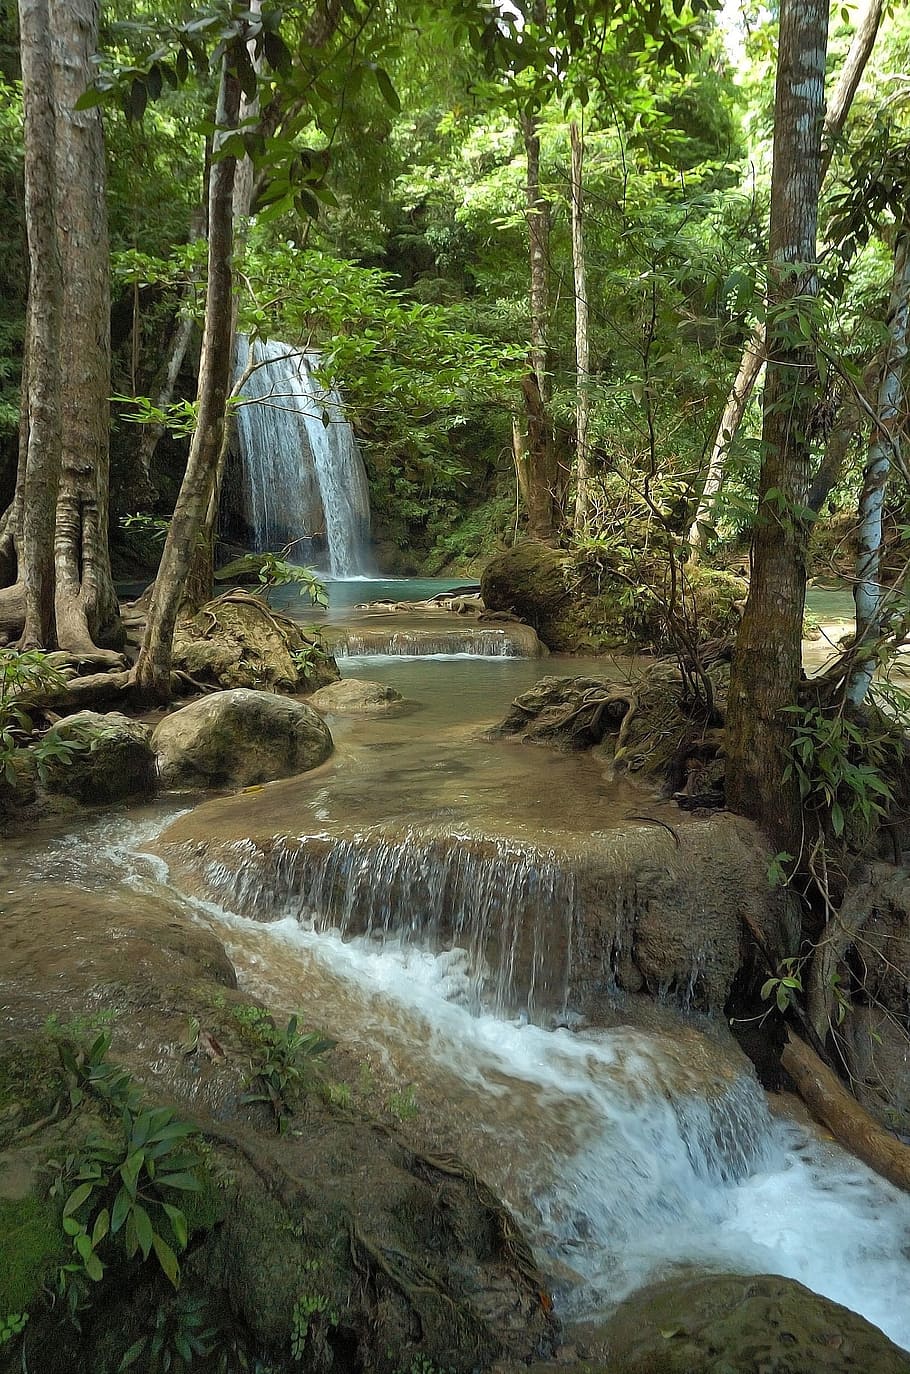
[
  {"x": 238, "y": 641},
  {"x": 596, "y": 600},
  {"x": 734, "y": 1324},
  {"x": 31, "y": 1244}
]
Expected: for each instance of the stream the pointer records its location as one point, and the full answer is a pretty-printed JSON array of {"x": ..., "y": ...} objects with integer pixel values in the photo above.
[{"x": 628, "y": 1151}]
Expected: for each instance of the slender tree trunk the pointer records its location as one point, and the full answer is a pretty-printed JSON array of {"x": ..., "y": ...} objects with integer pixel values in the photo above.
[
  {"x": 152, "y": 671},
  {"x": 582, "y": 341},
  {"x": 87, "y": 612},
  {"x": 45, "y": 302},
  {"x": 753, "y": 360},
  {"x": 152, "y": 434},
  {"x": 767, "y": 664},
  {"x": 867, "y": 591},
  {"x": 541, "y": 464},
  {"x": 754, "y": 351}
]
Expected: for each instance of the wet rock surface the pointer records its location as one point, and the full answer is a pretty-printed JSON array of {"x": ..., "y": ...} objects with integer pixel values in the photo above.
[
  {"x": 729, "y": 1324},
  {"x": 356, "y": 697},
  {"x": 334, "y": 1241},
  {"x": 234, "y": 739},
  {"x": 647, "y": 907},
  {"x": 116, "y": 759}
]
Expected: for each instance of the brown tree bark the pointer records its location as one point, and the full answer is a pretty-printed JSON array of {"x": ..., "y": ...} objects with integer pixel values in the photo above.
[
  {"x": 849, "y": 1123},
  {"x": 767, "y": 662},
  {"x": 41, "y": 466},
  {"x": 87, "y": 612},
  {"x": 152, "y": 670}
]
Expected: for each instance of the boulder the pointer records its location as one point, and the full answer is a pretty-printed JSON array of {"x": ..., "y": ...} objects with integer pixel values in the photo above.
[
  {"x": 732, "y": 1324},
  {"x": 239, "y": 641},
  {"x": 587, "y": 603},
  {"x": 352, "y": 697},
  {"x": 112, "y": 758},
  {"x": 234, "y": 739}
]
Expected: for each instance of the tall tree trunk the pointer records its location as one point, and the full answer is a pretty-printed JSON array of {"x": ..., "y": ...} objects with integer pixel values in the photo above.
[
  {"x": 886, "y": 434},
  {"x": 582, "y": 341},
  {"x": 541, "y": 464},
  {"x": 152, "y": 670},
  {"x": 754, "y": 351},
  {"x": 87, "y": 612},
  {"x": 41, "y": 474},
  {"x": 767, "y": 663}
]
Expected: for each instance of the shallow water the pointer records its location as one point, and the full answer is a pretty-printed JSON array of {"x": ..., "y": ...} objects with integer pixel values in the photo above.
[{"x": 626, "y": 1153}]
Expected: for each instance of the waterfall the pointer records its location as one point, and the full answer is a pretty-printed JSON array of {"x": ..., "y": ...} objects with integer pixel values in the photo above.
[
  {"x": 509, "y": 908},
  {"x": 303, "y": 478}
]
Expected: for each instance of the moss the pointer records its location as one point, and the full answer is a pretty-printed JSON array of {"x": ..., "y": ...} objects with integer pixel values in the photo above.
[
  {"x": 590, "y": 601},
  {"x": 31, "y": 1243},
  {"x": 31, "y": 1082}
]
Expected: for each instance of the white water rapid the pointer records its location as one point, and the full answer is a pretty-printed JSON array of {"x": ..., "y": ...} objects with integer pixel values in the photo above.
[
  {"x": 304, "y": 482},
  {"x": 627, "y": 1153}
]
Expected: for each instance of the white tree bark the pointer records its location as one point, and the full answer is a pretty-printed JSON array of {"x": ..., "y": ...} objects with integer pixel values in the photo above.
[
  {"x": 867, "y": 592},
  {"x": 582, "y": 341},
  {"x": 837, "y": 109}
]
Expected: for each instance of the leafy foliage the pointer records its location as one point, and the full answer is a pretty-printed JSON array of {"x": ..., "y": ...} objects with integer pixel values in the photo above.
[
  {"x": 120, "y": 1191},
  {"x": 284, "y": 1064}
]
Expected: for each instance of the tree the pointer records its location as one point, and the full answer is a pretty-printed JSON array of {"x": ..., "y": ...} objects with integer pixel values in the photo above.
[
  {"x": 151, "y": 674},
  {"x": 31, "y": 603},
  {"x": 767, "y": 662},
  {"x": 58, "y": 521},
  {"x": 582, "y": 341},
  {"x": 754, "y": 350}
]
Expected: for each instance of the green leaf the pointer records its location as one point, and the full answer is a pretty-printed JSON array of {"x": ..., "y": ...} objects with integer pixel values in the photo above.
[
  {"x": 178, "y": 1221},
  {"x": 186, "y": 1182},
  {"x": 121, "y": 1210},
  {"x": 145, "y": 1232},
  {"x": 101, "y": 1227},
  {"x": 90, "y": 98},
  {"x": 93, "y": 1267},
  {"x": 387, "y": 90},
  {"x": 76, "y": 1198},
  {"x": 131, "y": 1355},
  {"x": 167, "y": 1259}
]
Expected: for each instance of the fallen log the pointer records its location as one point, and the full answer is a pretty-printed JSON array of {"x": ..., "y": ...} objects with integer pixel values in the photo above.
[{"x": 850, "y": 1124}]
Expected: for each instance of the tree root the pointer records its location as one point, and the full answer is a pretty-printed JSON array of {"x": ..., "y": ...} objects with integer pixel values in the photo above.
[{"x": 849, "y": 1123}]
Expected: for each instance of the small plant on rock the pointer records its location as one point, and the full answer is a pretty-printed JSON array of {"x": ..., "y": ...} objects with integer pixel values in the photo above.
[{"x": 284, "y": 1066}]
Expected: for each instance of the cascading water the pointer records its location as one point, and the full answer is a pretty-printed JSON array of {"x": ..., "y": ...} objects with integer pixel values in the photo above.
[
  {"x": 626, "y": 1154},
  {"x": 304, "y": 482},
  {"x": 506, "y": 910}
]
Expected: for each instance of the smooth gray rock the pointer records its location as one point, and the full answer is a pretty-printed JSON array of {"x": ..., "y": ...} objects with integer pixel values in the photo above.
[{"x": 237, "y": 738}]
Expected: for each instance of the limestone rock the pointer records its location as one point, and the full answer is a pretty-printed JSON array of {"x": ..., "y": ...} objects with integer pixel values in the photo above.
[
  {"x": 731, "y": 1324},
  {"x": 238, "y": 641},
  {"x": 353, "y": 697},
  {"x": 588, "y": 604},
  {"x": 114, "y": 758},
  {"x": 233, "y": 739}
]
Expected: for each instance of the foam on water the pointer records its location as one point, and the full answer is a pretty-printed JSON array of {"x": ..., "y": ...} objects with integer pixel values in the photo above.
[
  {"x": 622, "y": 1160},
  {"x": 618, "y": 1172}
]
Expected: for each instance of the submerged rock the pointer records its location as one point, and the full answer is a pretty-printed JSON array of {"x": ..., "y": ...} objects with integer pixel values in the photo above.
[
  {"x": 234, "y": 739},
  {"x": 354, "y": 697},
  {"x": 730, "y": 1324},
  {"x": 668, "y": 910}
]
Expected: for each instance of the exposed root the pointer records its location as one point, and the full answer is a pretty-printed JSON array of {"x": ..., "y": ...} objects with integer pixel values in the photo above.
[{"x": 849, "y": 1123}]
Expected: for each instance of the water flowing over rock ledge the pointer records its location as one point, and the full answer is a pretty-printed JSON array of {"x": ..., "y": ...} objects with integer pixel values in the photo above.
[{"x": 639, "y": 909}]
